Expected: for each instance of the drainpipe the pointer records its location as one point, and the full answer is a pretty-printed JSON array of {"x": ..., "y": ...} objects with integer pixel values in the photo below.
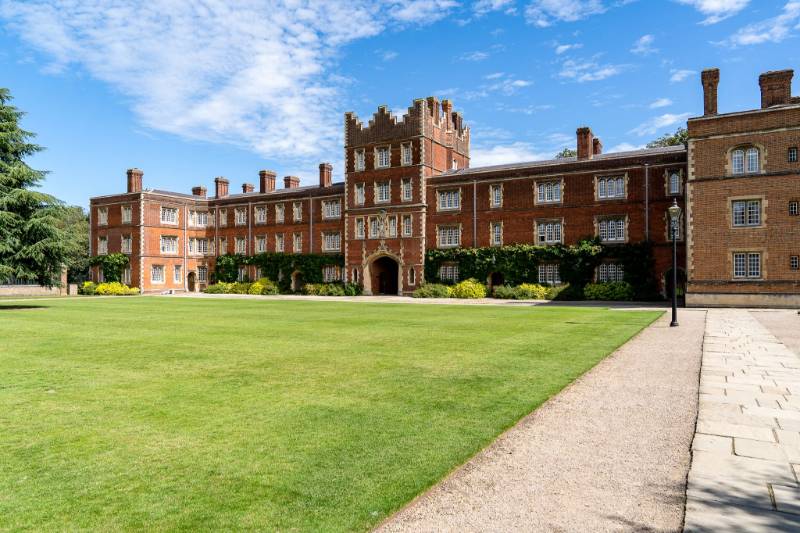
[
  {"x": 250, "y": 247},
  {"x": 185, "y": 272},
  {"x": 474, "y": 213},
  {"x": 310, "y": 224},
  {"x": 647, "y": 201}
]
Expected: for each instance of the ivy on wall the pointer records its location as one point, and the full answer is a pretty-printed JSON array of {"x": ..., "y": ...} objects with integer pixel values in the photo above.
[
  {"x": 112, "y": 265},
  {"x": 277, "y": 266}
]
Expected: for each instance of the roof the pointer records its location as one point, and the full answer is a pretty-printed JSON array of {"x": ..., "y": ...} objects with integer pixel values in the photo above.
[
  {"x": 646, "y": 152},
  {"x": 255, "y": 194}
]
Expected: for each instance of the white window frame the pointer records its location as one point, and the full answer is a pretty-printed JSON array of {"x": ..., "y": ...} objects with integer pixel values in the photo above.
[
  {"x": 737, "y": 162},
  {"x": 794, "y": 208},
  {"x": 374, "y": 228},
  {"x": 383, "y": 156},
  {"x": 177, "y": 273},
  {"x": 240, "y": 214},
  {"x": 359, "y": 193},
  {"x": 331, "y": 273},
  {"x": 753, "y": 160},
  {"x": 126, "y": 275},
  {"x": 360, "y": 228},
  {"x": 406, "y": 190},
  {"x": 297, "y": 211},
  {"x": 610, "y": 272},
  {"x": 169, "y": 215},
  {"x": 611, "y": 188},
  {"x": 280, "y": 213},
  {"x": 223, "y": 217},
  {"x": 127, "y": 214},
  {"x": 359, "y": 159},
  {"x": 102, "y": 245},
  {"x": 261, "y": 214},
  {"x": 549, "y": 232},
  {"x": 280, "y": 244},
  {"x": 405, "y": 154},
  {"x": 496, "y": 195},
  {"x": 169, "y": 244},
  {"x": 331, "y": 241},
  {"x": 448, "y": 236},
  {"x": 548, "y": 274},
  {"x": 674, "y": 183},
  {"x": 297, "y": 243},
  {"x": 448, "y": 200},
  {"x": 746, "y": 213},
  {"x": 157, "y": 274},
  {"x": 448, "y": 272},
  {"x": 240, "y": 245},
  {"x": 126, "y": 244},
  {"x": 549, "y": 192},
  {"x": 407, "y": 224},
  {"x": 747, "y": 265},
  {"x": 612, "y": 233},
  {"x": 102, "y": 216},
  {"x": 261, "y": 244},
  {"x": 383, "y": 192},
  {"x": 202, "y": 274},
  {"x": 331, "y": 209},
  {"x": 496, "y": 233}
]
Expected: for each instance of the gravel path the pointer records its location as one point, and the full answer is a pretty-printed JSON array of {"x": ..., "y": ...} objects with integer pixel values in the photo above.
[{"x": 609, "y": 453}]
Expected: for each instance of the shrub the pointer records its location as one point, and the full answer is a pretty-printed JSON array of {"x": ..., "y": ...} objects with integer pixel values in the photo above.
[
  {"x": 616, "y": 290},
  {"x": 534, "y": 291},
  {"x": 432, "y": 290},
  {"x": 115, "y": 288},
  {"x": 505, "y": 292},
  {"x": 218, "y": 288},
  {"x": 469, "y": 289},
  {"x": 352, "y": 289},
  {"x": 239, "y": 287},
  {"x": 268, "y": 287},
  {"x": 324, "y": 289},
  {"x": 88, "y": 288}
]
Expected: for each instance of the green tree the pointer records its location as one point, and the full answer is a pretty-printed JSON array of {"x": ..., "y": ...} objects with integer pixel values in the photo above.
[
  {"x": 566, "y": 152},
  {"x": 681, "y": 136},
  {"x": 74, "y": 222},
  {"x": 32, "y": 246}
]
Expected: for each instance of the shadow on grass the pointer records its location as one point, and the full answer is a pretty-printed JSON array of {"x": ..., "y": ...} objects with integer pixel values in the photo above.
[{"x": 19, "y": 307}]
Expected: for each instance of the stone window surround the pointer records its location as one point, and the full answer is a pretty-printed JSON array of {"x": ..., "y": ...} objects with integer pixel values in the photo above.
[
  {"x": 547, "y": 180},
  {"x": 667, "y": 175},
  {"x": 545, "y": 221},
  {"x": 363, "y": 221},
  {"x": 598, "y": 218},
  {"x": 492, "y": 225},
  {"x": 439, "y": 227},
  {"x": 492, "y": 188},
  {"x": 763, "y": 217},
  {"x": 449, "y": 209},
  {"x": 388, "y": 147},
  {"x": 625, "y": 184},
  {"x": 749, "y": 250},
  {"x": 406, "y": 147},
  {"x": 762, "y": 159}
]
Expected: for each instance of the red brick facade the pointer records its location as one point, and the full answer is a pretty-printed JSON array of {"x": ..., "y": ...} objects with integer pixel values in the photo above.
[{"x": 409, "y": 187}]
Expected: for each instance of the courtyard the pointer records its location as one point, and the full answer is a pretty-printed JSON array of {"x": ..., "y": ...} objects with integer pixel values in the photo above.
[{"x": 180, "y": 413}]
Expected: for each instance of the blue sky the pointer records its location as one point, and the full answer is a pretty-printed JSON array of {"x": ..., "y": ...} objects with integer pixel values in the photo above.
[{"x": 190, "y": 91}]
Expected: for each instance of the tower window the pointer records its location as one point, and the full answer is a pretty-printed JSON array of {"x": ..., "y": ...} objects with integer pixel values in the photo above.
[{"x": 793, "y": 154}]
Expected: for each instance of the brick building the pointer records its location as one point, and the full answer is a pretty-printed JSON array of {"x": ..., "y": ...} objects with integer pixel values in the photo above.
[{"x": 409, "y": 188}]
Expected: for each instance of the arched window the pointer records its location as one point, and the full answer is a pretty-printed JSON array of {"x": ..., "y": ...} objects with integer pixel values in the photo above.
[
  {"x": 674, "y": 183},
  {"x": 355, "y": 275},
  {"x": 737, "y": 159},
  {"x": 412, "y": 277},
  {"x": 752, "y": 160}
]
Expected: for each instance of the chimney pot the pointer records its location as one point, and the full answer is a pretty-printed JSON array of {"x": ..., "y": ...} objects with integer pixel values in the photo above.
[
  {"x": 248, "y": 188},
  {"x": 199, "y": 191},
  {"x": 220, "y": 187},
  {"x": 325, "y": 174},
  {"x": 266, "y": 180},
  {"x": 597, "y": 146},
  {"x": 776, "y": 87},
  {"x": 291, "y": 182},
  {"x": 135, "y": 180},
  {"x": 585, "y": 143},
  {"x": 710, "y": 81}
]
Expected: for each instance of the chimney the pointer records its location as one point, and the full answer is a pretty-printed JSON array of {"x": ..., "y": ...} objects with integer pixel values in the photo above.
[
  {"x": 776, "y": 87},
  {"x": 585, "y": 143},
  {"x": 266, "y": 181},
  {"x": 221, "y": 187},
  {"x": 248, "y": 188},
  {"x": 135, "y": 180},
  {"x": 710, "y": 80},
  {"x": 325, "y": 174},
  {"x": 199, "y": 191},
  {"x": 597, "y": 146},
  {"x": 291, "y": 182},
  {"x": 447, "y": 111}
]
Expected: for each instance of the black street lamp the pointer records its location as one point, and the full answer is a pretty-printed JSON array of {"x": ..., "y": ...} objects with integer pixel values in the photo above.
[{"x": 674, "y": 215}]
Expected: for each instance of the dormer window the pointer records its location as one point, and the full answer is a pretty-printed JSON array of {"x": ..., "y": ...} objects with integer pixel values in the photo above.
[
  {"x": 746, "y": 161},
  {"x": 382, "y": 157}
]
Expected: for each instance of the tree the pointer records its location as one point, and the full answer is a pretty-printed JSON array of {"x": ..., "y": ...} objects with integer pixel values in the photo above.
[
  {"x": 32, "y": 245},
  {"x": 566, "y": 152},
  {"x": 681, "y": 136},
  {"x": 74, "y": 222}
]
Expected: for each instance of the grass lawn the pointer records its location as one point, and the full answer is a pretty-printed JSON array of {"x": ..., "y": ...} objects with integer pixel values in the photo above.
[{"x": 160, "y": 414}]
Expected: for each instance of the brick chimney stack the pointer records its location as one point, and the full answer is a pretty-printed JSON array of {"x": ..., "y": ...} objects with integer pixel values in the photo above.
[
  {"x": 776, "y": 87},
  {"x": 199, "y": 191},
  {"x": 135, "y": 180},
  {"x": 710, "y": 81},
  {"x": 221, "y": 187},
  {"x": 585, "y": 143},
  {"x": 597, "y": 146},
  {"x": 447, "y": 111},
  {"x": 248, "y": 188},
  {"x": 266, "y": 181},
  {"x": 325, "y": 174},
  {"x": 291, "y": 182}
]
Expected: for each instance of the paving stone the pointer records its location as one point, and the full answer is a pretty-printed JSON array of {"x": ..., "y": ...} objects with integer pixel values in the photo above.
[
  {"x": 712, "y": 443},
  {"x": 737, "y": 417},
  {"x": 787, "y": 499},
  {"x": 707, "y": 516},
  {"x": 770, "y": 451},
  {"x": 733, "y": 467}
]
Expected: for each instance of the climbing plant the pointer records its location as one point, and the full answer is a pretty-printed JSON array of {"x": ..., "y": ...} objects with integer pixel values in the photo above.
[
  {"x": 278, "y": 266},
  {"x": 112, "y": 265}
]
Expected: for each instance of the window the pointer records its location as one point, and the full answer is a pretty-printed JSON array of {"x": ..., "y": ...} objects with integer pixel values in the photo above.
[
  {"x": 407, "y": 229},
  {"x": 297, "y": 243},
  {"x": 406, "y": 190},
  {"x": 102, "y": 216},
  {"x": 405, "y": 154},
  {"x": 794, "y": 207},
  {"x": 548, "y": 192},
  {"x": 102, "y": 245},
  {"x": 331, "y": 273},
  {"x": 360, "y": 160},
  {"x": 169, "y": 215},
  {"x": 198, "y": 219},
  {"x": 610, "y": 188},
  {"x": 223, "y": 217},
  {"x": 331, "y": 241},
  {"x": 279, "y": 213},
  {"x": 126, "y": 275},
  {"x": 793, "y": 154},
  {"x": 382, "y": 193},
  {"x": 240, "y": 245},
  {"x": 169, "y": 244},
  {"x": 177, "y": 275},
  {"x": 241, "y": 216},
  {"x": 331, "y": 209},
  {"x": 355, "y": 275},
  {"x": 450, "y": 199},
  {"x": 157, "y": 273},
  {"x": 747, "y": 265},
  {"x": 448, "y": 272},
  {"x": 127, "y": 214},
  {"x": 199, "y": 246},
  {"x": 359, "y": 194},
  {"x": 794, "y": 262},
  {"x": 261, "y": 244},
  {"x": 495, "y": 196},
  {"x": 737, "y": 160},
  {"x": 202, "y": 274},
  {"x": 382, "y": 157},
  {"x": 127, "y": 244},
  {"x": 752, "y": 160},
  {"x": 261, "y": 214},
  {"x": 279, "y": 242},
  {"x": 297, "y": 211},
  {"x": 608, "y": 272},
  {"x": 242, "y": 275},
  {"x": 548, "y": 232},
  {"x": 360, "y": 229},
  {"x": 674, "y": 182},
  {"x": 496, "y": 236},
  {"x": 374, "y": 228},
  {"x": 223, "y": 246},
  {"x": 746, "y": 213},
  {"x": 392, "y": 226},
  {"x": 449, "y": 236},
  {"x": 745, "y": 160},
  {"x": 412, "y": 276},
  {"x": 454, "y": 164},
  {"x": 612, "y": 229},
  {"x": 548, "y": 274}
]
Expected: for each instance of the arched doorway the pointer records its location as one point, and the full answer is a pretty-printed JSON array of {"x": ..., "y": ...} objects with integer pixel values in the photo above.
[
  {"x": 191, "y": 280},
  {"x": 496, "y": 279},
  {"x": 383, "y": 275},
  {"x": 297, "y": 281}
]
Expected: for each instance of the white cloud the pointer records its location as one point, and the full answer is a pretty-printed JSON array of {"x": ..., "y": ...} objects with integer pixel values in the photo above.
[
  {"x": 678, "y": 75},
  {"x": 387, "y": 55},
  {"x": 494, "y": 75},
  {"x": 774, "y": 29},
  {"x": 544, "y": 13},
  {"x": 716, "y": 10},
  {"x": 588, "y": 70},
  {"x": 624, "y": 147},
  {"x": 260, "y": 75},
  {"x": 481, "y": 7},
  {"x": 474, "y": 56},
  {"x": 500, "y": 154},
  {"x": 655, "y": 124},
  {"x": 661, "y": 102},
  {"x": 498, "y": 82},
  {"x": 644, "y": 45},
  {"x": 561, "y": 48}
]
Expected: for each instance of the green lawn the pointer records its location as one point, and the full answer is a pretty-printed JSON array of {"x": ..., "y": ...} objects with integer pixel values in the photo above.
[{"x": 161, "y": 414}]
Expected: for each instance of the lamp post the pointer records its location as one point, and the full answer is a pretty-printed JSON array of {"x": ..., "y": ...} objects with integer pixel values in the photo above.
[{"x": 674, "y": 214}]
